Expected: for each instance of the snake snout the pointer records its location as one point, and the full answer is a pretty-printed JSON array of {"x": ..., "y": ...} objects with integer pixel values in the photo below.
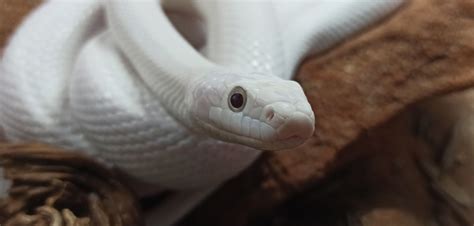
[{"x": 297, "y": 126}]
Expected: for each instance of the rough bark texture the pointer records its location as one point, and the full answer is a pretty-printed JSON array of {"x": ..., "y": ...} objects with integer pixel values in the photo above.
[{"x": 386, "y": 151}]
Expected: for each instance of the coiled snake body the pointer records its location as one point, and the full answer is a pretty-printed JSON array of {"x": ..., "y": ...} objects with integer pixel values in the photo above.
[{"x": 181, "y": 110}]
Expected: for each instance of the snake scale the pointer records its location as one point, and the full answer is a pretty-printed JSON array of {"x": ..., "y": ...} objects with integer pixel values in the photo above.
[{"x": 179, "y": 94}]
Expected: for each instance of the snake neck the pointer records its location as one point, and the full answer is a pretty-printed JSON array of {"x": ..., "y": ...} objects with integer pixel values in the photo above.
[{"x": 166, "y": 62}]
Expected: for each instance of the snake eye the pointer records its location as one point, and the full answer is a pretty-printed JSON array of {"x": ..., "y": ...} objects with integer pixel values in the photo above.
[{"x": 237, "y": 99}]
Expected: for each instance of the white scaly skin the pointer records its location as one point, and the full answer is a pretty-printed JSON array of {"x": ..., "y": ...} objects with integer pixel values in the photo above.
[
  {"x": 142, "y": 100},
  {"x": 326, "y": 22},
  {"x": 195, "y": 91},
  {"x": 34, "y": 110},
  {"x": 124, "y": 121},
  {"x": 110, "y": 81},
  {"x": 181, "y": 173},
  {"x": 279, "y": 104},
  {"x": 105, "y": 90}
]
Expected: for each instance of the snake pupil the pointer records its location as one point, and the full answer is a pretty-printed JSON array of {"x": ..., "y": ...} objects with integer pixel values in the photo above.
[{"x": 237, "y": 100}]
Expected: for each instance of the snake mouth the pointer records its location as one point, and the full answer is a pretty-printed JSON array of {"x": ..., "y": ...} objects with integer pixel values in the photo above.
[
  {"x": 274, "y": 145},
  {"x": 295, "y": 131}
]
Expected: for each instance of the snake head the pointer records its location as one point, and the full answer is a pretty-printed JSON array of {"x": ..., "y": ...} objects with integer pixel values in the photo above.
[{"x": 263, "y": 112}]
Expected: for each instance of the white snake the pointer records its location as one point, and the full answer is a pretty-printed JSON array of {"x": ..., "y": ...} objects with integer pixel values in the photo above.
[{"x": 116, "y": 78}]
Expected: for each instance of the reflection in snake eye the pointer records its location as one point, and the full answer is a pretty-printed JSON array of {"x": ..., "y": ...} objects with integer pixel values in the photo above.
[{"x": 237, "y": 99}]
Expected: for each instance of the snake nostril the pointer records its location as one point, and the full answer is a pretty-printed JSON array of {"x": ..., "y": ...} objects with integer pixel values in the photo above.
[{"x": 270, "y": 114}]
